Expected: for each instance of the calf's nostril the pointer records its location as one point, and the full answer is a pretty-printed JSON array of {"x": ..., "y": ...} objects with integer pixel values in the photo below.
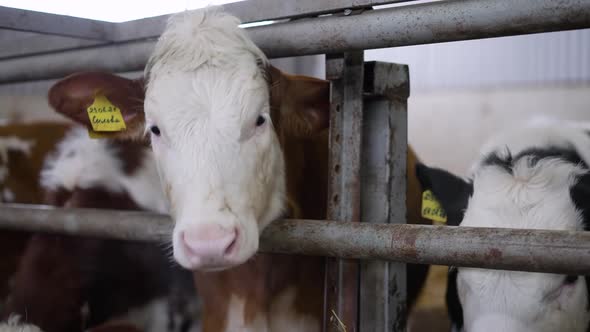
[{"x": 231, "y": 246}]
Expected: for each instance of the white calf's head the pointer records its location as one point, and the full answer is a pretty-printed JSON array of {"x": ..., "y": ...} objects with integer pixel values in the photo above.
[
  {"x": 208, "y": 113},
  {"x": 541, "y": 187},
  {"x": 217, "y": 115}
]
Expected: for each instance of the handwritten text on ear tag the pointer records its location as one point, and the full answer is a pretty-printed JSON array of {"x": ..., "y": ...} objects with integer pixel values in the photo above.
[
  {"x": 104, "y": 116},
  {"x": 431, "y": 208}
]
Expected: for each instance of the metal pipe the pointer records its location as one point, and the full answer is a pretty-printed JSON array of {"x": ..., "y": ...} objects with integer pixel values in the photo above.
[
  {"x": 53, "y": 24},
  {"x": 493, "y": 248},
  {"x": 432, "y": 22},
  {"x": 249, "y": 11},
  {"x": 110, "y": 224},
  {"x": 113, "y": 58}
]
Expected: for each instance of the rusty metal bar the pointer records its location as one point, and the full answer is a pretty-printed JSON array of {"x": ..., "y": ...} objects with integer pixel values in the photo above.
[
  {"x": 344, "y": 188},
  {"x": 432, "y": 22},
  {"x": 383, "y": 284},
  {"x": 250, "y": 11},
  {"x": 564, "y": 252},
  {"x": 110, "y": 224},
  {"x": 246, "y": 11}
]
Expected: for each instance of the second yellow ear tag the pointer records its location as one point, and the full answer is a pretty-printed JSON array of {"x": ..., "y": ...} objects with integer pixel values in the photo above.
[
  {"x": 104, "y": 116},
  {"x": 431, "y": 208}
]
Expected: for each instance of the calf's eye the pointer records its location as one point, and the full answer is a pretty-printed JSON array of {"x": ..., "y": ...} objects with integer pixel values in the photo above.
[
  {"x": 260, "y": 121},
  {"x": 155, "y": 130}
]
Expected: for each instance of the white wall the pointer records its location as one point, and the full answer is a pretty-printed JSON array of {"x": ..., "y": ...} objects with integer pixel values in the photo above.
[
  {"x": 462, "y": 92},
  {"x": 446, "y": 128},
  {"x": 538, "y": 59}
]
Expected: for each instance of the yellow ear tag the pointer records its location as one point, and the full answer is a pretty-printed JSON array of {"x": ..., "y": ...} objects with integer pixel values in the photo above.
[
  {"x": 104, "y": 116},
  {"x": 431, "y": 208}
]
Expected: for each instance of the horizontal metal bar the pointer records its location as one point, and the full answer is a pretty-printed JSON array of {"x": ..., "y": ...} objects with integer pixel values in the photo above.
[
  {"x": 249, "y": 11},
  {"x": 432, "y": 22},
  {"x": 52, "y": 24},
  {"x": 110, "y": 224},
  {"x": 405, "y": 25},
  {"x": 494, "y": 248},
  {"x": 29, "y": 43},
  {"x": 112, "y": 58},
  {"x": 259, "y": 10}
]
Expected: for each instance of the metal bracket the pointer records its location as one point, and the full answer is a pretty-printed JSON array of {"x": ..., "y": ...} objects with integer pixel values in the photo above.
[
  {"x": 344, "y": 189},
  {"x": 383, "y": 200}
]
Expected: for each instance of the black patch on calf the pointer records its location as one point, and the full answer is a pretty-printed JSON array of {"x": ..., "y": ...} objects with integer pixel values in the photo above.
[
  {"x": 580, "y": 194},
  {"x": 569, "y": 155},
  {"x": 453, "y": 303},
  {"x": 504, "y": 162},
  {"x": 451, "y": 191},
  {"x": 507, "y": 161}
]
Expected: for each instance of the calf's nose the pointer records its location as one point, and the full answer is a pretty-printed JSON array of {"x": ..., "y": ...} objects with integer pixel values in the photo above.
[{"x": 208, "y": 245}]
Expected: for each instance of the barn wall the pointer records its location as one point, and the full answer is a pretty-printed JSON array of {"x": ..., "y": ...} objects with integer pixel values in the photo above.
[
  {"x": 447, "y": 127},
  {"x": 462, "y": 92}
]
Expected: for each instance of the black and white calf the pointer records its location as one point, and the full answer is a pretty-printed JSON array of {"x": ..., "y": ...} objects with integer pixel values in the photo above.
[{"x": 534, "y": 178}]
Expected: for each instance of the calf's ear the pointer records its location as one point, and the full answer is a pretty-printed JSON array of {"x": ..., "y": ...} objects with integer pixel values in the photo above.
[
  {"x": 303, "y": 103},
  {"x": 450, "y": 190},
  {"x": 72, "y": 96}
]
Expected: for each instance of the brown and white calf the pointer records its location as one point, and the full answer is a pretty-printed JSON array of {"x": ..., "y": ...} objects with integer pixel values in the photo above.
[
  {"x": 68, "y": 283},
  {"x": 238, "y": 145},
  {"x": 22, "y": 151}
]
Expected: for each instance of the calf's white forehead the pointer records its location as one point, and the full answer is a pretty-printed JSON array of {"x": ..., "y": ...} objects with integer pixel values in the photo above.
[
  {"x": 194, "y": 103},
  {"x": 207, "y": 36},
  {"x": 530, "y": 196},
  {"x": 204, "y": 73}
]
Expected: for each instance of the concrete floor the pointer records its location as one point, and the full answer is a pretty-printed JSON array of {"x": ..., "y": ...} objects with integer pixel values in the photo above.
[{"x": 430, "y": 313}]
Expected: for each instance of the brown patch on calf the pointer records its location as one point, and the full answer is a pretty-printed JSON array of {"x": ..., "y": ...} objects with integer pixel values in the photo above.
[
  {"x": 299, "y": 104},
  {"x": 23, "y": 176},
  {"x": 50, "y": 260},
  {"x": 300, "y": 112},
  {"x": 258, "y": 283},
  {"x": 261, "y": 280},
  {"x": 51, "y": 282},
  {"x": 58, "y": 274},
  {"x": 132, "y": 155},
  {"x": 23, "y": 183}
]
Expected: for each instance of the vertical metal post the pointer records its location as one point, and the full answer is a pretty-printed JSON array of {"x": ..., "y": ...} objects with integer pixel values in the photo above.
[
  {"x": 383, "y": 284},
  {"x": 346, "y": 115}
]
